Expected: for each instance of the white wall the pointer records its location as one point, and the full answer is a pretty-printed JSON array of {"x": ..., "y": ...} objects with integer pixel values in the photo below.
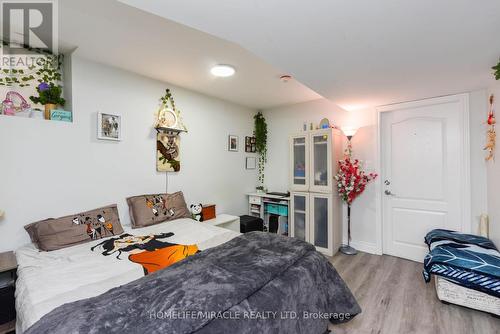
[
  {"x": 493, "y": 173},
  {"x": 284, "y": 121},
  {"x": 479, "y": 196},
  {"x": 287, "y": 120},
  {"x": 49, "y": 169}
]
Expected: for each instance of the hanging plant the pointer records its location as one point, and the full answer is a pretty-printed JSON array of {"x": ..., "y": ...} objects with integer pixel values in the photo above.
[
  {"x": 260, "y": 134},
  {"x": 497, "y": 71},
  {"x": 165, "y": 99}
]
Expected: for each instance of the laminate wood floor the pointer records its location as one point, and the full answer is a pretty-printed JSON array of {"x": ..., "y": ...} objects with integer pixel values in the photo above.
[{"x": 395, "y": 299}]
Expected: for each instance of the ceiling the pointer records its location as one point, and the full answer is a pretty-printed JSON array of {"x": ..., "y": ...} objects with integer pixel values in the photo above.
[
  {"x": 113, "y": 33},
  {"x": 361, "y": 53}
]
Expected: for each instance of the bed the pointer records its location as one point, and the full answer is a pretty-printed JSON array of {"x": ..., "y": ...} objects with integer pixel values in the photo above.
[
  {"x": 466, "y": 269},
  {"x": 47, "y": 280},
  {"x": 64, "y": 286}
]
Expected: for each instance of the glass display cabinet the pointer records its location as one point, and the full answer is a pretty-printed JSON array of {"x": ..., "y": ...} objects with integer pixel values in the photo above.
[{"x": 316, "y": 210}]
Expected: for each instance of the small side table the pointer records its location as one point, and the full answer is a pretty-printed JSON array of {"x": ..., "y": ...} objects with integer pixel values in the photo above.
[{"x": 8, "y": 274}]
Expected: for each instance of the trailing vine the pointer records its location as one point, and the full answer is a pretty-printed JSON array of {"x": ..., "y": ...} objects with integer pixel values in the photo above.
[
  {"x": 47, "y": 68},
  {"x": 497, "y": 71},
  {"x": 260, "y": 133},
  {"x": 168, "y": 98}
]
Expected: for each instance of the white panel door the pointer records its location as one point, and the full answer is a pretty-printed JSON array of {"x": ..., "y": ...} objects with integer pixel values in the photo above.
[
  {"x": 320, "y": 176},
  {"x": 299, "y": 162},
  {"x": 422, "y": 173},
  {"x": 299, "y": 217}
]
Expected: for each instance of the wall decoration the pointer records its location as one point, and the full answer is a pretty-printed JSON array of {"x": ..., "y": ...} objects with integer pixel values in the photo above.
[
  {"x": 250, "y": 146},
  {"x": 109, "y": 126},
  {"x": 324, "y": 123},
  {"x": 251, "y": 163},
  {"x": 169, "y": 118},
  {"x": 168, "y": 125},
  {"x": 491, "y": 133},
  {"x": 10, "y": 108},
  {"x": 61, "y": 115},
  {"x": 167, "y": 146},
  {"x": 232, "y": 143}
]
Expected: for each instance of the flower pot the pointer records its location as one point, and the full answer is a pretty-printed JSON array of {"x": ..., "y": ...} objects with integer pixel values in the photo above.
[{"x": 48, "y": 108}]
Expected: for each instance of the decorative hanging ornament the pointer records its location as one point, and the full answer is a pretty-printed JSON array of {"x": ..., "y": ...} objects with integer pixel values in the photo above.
[
  {"x": 168, "y": 125},
  {"x": 169, "y": 118},
  {"x": 491, "y": 133}
]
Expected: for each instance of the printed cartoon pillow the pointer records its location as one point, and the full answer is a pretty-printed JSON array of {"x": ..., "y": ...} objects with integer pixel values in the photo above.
[
  {"x": 152, "y": 209},
  {"x": 52, "y": 234}
]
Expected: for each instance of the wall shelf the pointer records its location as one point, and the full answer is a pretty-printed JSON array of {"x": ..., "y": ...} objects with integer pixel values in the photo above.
[{"x": 35, "y": 118}]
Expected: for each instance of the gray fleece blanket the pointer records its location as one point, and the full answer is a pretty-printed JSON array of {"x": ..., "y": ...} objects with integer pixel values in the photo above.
[{"x": 255, "y": 283}]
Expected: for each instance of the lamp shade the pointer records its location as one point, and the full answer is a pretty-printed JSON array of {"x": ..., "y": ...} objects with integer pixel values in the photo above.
[{"x": 349, "y": 131}]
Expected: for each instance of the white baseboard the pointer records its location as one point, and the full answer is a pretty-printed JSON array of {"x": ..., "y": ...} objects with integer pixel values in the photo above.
[{"x": 366, "y": 247}]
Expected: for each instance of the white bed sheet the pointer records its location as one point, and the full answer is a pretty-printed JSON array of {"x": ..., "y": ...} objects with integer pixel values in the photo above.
[{"x": 47, "y": 280}]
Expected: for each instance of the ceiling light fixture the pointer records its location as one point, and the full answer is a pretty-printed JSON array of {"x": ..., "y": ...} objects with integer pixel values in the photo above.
[{"x": 223, "y": 70}]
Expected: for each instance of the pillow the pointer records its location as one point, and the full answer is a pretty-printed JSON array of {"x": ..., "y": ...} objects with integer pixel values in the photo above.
[
  {"x": 51, "y": 234},
  {"x": 146, "y": 210}
]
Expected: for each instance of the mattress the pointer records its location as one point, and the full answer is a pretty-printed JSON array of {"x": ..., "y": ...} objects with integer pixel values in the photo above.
[
  {"x": 453, "y": 293},
  {"x": 47, "y": 280}
]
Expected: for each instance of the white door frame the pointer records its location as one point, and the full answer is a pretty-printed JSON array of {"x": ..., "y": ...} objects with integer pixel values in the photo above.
[{"x": 463, "y": 99}]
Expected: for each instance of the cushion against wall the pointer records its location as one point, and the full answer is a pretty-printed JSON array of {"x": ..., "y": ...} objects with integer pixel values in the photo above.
[
  {"x": 146, "y": 210},
  {"x": 51, "y": 234}
]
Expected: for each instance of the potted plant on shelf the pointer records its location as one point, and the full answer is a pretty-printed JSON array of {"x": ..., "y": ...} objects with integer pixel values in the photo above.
[
  {"x": 260, "y": 134},
  {"x": 49, "y": 95}
]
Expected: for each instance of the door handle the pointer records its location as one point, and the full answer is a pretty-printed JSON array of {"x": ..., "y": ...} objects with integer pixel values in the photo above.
[{"x": 388, "y": 193}]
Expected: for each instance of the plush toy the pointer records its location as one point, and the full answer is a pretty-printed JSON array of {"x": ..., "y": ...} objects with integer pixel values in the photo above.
[{"x": 196, "y": 212}]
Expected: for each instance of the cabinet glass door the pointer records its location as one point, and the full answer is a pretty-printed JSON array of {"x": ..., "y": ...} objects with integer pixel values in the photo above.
[
  {"x": 321, "y": 162},
  {"x": 299, "y": 161},
  {"x": 299, "y": 217},
  {"x": 321, "y": 221}
]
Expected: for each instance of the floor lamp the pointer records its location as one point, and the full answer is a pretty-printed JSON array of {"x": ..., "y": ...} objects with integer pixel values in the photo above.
[{"x": 348, "y": 249}]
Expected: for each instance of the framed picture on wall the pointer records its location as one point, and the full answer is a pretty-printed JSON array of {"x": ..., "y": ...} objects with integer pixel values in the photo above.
[
  {"x": 251, "y": 163},
  {"x": 109, "y": 126},
  {"x": 250, "y": 144},
  {"x": 232, "y": 143}
]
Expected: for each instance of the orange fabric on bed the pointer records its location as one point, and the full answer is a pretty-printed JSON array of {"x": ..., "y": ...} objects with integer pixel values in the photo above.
[{"x": 163, "y": 257}]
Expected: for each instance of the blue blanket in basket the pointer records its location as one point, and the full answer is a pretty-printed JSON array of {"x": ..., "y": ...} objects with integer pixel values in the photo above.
[{"x": 468, "y": 260}]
